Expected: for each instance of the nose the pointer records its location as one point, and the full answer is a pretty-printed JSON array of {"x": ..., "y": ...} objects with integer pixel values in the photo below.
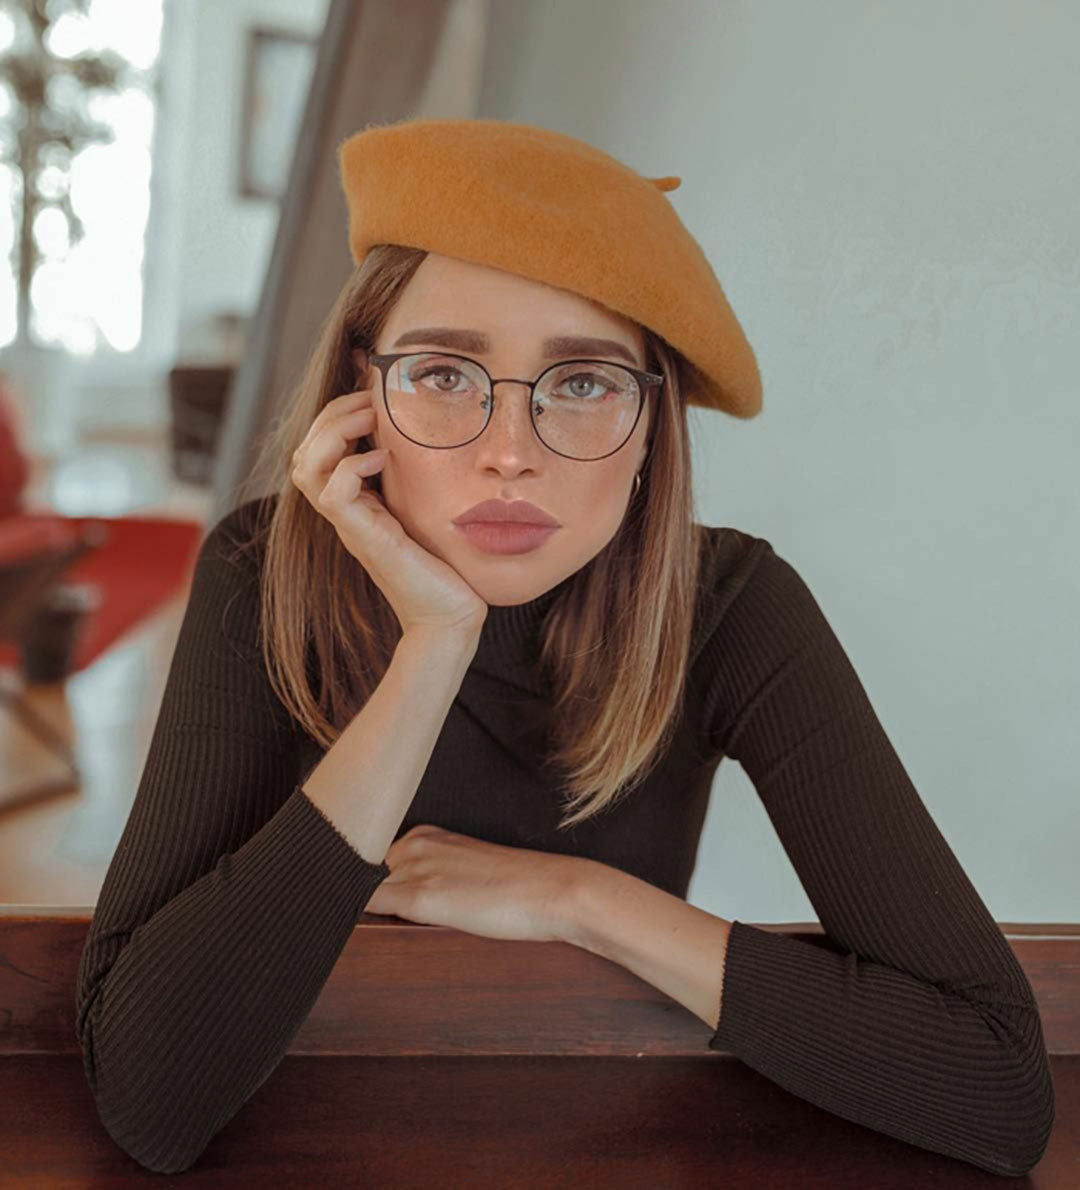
[{"x": 511, "y": 401}]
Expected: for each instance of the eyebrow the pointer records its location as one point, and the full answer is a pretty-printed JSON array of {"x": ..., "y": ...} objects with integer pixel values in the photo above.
[{"x": 479, "y": 343}]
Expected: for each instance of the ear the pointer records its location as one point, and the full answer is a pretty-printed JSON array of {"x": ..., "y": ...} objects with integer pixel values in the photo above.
[{"x": 360, "y": 367}]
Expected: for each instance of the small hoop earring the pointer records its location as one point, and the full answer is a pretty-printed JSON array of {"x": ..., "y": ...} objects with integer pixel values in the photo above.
[{"x": 637, "y": 483}]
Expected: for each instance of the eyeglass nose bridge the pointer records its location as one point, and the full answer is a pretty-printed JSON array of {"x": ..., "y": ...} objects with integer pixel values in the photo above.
[{"x": 531, "y": 386}]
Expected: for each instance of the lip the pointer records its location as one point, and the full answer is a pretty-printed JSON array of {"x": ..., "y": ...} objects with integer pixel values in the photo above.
[
  {"x": 505, "y": 537},
  {"x": 518, "y": 512}
]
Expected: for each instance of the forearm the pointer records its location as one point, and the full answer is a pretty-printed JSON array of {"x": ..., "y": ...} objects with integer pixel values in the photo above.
[
  {"x": 675, "y": 946},
  {"x": 835, "y": 1029},
  {"x": 368, "y": 778}
]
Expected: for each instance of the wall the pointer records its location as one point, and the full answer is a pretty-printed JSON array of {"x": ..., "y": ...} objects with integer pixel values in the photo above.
[{"x": 888, "y": 195}]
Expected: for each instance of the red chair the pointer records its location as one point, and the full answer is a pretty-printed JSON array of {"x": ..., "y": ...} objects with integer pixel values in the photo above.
[
  {"x": 135, "y": 563},
  {"x": 30, "y": 563}
]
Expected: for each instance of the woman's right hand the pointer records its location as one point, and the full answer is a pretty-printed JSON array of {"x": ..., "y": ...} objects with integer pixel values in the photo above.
[{"x": 424, "y": 591}]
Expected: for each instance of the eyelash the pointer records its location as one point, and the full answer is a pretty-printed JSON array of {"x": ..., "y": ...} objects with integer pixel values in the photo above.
[{"x": 431, "y": 369}]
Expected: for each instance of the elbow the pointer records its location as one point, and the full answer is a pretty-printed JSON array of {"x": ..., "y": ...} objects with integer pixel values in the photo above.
[
  {"x": 158, "y": 1154},
  {"x": 1015, "y": 1116},
  {"x": 1022, "y": 1129},
  {"x": 124, "y": 1101},
  {"x": 1035, "y": 1119},
  {"x": 155, "y": 1144},
  {"x": 1038, "y": 1106},
  {"x": 1022, "y": 1158},
  {"x": 160, "y": 1124}
]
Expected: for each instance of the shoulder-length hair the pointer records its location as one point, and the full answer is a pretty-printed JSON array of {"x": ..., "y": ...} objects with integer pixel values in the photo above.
[{"x": 618, "y": 680}]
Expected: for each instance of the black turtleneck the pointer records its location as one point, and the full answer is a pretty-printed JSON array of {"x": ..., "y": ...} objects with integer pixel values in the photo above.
[{"x": 920, "y": 1024}]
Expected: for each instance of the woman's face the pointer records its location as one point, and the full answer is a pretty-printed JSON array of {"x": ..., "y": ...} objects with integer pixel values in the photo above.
[{"x": 426, "y": 489}]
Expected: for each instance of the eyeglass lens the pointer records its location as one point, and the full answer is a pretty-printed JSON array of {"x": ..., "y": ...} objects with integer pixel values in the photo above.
[{"x": 585, "y": 410}]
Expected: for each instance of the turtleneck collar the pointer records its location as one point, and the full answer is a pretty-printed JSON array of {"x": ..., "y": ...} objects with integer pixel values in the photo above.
[{"x": 510, "y": 638}]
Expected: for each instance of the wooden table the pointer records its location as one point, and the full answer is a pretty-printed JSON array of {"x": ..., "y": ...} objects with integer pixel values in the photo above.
[{"x": 475, "y": 1075}]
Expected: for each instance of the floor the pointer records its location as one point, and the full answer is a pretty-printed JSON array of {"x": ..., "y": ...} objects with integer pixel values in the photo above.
[{"x": 54, "y": 851}]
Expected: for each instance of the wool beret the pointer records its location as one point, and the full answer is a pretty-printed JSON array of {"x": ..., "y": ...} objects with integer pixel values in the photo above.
[{"x": 552, "y": 208}]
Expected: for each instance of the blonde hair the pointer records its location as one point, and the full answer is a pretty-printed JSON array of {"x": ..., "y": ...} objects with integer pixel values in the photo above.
[{"x": 618, "y": 681}]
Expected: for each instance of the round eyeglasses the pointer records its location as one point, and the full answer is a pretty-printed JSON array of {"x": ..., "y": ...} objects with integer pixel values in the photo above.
[{"x": 580, "y": 409}]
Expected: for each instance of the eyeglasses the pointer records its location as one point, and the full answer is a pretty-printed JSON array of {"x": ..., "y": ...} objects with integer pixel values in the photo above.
[{"x": 584, "y": 425}]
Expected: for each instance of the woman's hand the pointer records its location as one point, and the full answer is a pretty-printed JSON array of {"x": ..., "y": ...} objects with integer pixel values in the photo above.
[
  {"x": 441, "y": 878},
  {"x": 423, "y": 590}
]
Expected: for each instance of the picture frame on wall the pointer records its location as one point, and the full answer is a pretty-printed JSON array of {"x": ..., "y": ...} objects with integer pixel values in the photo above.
[{"x": 277, "y": 77}]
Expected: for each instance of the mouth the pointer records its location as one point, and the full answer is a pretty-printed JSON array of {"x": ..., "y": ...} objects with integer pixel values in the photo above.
[
  {"x": 518, "y": 512},
  {"x": 505, "y": 537}
]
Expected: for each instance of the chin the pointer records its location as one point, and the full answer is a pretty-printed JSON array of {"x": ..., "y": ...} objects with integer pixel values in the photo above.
[
  {"x": 502, "y": 599},
  {"x": 508, "y": 594}
]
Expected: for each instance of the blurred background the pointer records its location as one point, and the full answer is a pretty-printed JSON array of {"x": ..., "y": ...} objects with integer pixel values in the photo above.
[{"x": 888, "y": 196}]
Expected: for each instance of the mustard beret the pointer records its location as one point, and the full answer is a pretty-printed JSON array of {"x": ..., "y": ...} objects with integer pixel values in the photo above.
[{"x": 555, "y": 209}]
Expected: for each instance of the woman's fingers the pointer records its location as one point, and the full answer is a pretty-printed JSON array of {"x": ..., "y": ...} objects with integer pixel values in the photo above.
[
  {"x": 346, "y": 403},
  {"x": 346, "y": 481},
  {"x": 325, "y": 446}
]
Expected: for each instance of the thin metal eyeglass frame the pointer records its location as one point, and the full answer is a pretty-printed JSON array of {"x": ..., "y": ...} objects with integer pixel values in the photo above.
[{"x": 646, "y": 381}]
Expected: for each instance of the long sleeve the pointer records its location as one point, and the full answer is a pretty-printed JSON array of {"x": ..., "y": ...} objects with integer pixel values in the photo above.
[
  {"x": 228, "y": 899},
  {"x": 923, "y": 1025}
]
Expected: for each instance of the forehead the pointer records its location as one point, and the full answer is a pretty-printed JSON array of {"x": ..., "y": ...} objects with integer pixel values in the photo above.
[{"x": 447, "y": 291}]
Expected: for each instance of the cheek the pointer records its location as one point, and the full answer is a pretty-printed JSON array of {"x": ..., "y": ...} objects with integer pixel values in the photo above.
[
  {"x": 605, "y": 490},
  {"x": 384, "y": 430},
  {"x": 401, "y": 462},
  {"x": 417, "y": 488}
]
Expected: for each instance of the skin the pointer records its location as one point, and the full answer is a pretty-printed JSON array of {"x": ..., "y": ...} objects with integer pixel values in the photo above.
[{"x": 425, "y": 489}]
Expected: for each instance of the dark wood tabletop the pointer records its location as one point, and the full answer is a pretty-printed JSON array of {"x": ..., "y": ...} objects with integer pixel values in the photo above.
[
  {"x": 505, "y": 1121},
  {"x": 468, "y": 1072}
]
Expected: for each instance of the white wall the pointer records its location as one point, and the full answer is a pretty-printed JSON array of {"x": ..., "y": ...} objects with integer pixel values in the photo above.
[
  {"x": 225, "y": 239},
  {"x": 888, "y": 195}
]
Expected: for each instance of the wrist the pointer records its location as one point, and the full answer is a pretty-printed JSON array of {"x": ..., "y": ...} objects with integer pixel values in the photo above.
[
  {"x": 583, "y": 893},
  {"x": 452, "y": 642}
]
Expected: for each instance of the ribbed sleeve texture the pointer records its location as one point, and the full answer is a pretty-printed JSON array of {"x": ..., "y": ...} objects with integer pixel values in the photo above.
[
  {"x": 925, "y": 1026},
  {"x": 227, "y": 902},
  {"x": 230, "y": 896}
]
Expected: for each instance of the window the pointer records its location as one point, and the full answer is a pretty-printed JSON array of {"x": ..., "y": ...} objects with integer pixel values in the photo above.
[{"x": 78, "y": 109}]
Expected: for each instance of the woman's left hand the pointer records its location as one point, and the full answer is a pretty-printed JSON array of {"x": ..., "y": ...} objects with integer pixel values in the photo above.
[{"x": 441, "y": 878}]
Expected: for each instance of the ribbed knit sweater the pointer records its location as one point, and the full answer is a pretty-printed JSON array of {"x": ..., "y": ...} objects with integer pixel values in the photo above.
[{"x": 921, "y": 1025}]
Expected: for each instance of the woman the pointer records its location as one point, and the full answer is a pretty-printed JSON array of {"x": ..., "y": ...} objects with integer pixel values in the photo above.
[{"x": 374, "y": 707}]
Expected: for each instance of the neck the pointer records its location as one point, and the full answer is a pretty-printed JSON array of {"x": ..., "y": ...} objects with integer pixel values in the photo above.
[{"x": 510, "y": 637}]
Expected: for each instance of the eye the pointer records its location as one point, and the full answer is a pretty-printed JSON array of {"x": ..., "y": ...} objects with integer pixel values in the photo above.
[
  {"x": 436, "y": 370},
  {"x": 592, "y": 377},
  {"x": 608, "y": 385}
]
